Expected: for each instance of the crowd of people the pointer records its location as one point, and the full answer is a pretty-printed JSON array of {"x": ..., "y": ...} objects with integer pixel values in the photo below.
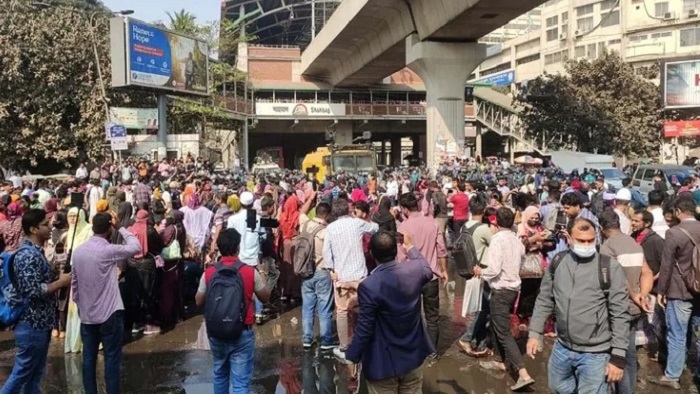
[{"x": 130, "y": 249}]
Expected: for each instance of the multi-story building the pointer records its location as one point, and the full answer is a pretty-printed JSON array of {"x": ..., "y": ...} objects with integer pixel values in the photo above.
[
  {"x": 525, "y": 23},
  {"x": 642, "y": 31}
]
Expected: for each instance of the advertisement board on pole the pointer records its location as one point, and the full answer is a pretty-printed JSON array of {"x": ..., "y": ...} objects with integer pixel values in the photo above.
[
  {"x": 152, "y": 57},
  {"x": 117, "y": 137},
  {"x": 683, "y": 128},
  {"x": 135, "y": 118},
  {"x": 299, "y": 109},
  {"x": 681, "y": 84}
]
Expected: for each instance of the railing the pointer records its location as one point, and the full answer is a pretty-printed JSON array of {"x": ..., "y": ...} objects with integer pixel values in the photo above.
[{"x": 502, "y": 122}]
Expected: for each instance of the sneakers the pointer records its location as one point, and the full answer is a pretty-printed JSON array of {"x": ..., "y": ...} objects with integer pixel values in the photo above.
[
  {"x": 259, "y": 319},
  {"x": 328, "y": 347},
  {"x": 151, "y": 330},
  {"x": 664, "y": 382},
  {"x": 308, "y": 346},
  {"x": 340, "y": 355},
  {"x": 136, "y": 330}
]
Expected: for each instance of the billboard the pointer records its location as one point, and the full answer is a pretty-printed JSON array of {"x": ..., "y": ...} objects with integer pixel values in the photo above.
[
  {"x": 682, "y": 128},
  {"x": 681, "y": 84},
  {"x": 503, "y": 78},
  {"x": 134, "y": 118},
  {"x": 299, "y": 110},
  {"x": 149, "y": 56}
]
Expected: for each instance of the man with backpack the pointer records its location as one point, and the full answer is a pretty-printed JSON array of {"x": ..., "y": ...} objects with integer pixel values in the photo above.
[
  {"x": 588, "y": 294},
  {"x": 679, "y": 262},
  {"x": 316, "y": 283},
  {"x": 32, "y": 279},
  {"x": 226, "y": 291}
]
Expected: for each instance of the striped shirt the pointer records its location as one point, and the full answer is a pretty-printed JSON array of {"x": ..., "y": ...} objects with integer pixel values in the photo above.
[
  {"x": 342, "y": 247},
  {"x": 630, "y": 255}
]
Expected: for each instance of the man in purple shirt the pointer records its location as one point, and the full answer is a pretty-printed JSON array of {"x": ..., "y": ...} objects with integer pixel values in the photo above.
[
  {"x": 96, "y": 292},
  {"x": 430, "y": 242}
]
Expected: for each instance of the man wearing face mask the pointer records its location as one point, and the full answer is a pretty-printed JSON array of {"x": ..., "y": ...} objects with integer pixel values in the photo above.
[{"x": 588, "y": 294}]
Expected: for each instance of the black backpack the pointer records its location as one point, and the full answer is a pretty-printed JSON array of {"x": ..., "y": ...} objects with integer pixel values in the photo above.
[
  {"x": 597, "y": 203},
  {"x": 304, "y": 252},
  {"x": 464, "y": 252},
  {"x": 225, "y": 306},
  {"x": 603, "y": 269}
]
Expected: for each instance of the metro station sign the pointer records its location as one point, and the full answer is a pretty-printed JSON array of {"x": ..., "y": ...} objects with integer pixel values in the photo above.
[{"x": 300, "y": 110}]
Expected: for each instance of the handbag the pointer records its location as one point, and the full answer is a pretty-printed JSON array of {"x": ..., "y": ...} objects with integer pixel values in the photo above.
[
  {"x": 172, "y": 251},
  {"x": 531, "y": 266},
  {"x": 472, "y": 296}
]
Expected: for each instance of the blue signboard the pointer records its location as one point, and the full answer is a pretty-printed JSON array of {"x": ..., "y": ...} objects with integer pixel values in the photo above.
[
  {"x": 499, "y": 79},
  {"x": 117, "y": 131},
  {"x": 163, "y": 59}
]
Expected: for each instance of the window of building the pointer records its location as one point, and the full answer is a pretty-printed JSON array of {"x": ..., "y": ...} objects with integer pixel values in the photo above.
[
  {"x": 565, "y": 22},
  {"x": 585, "y": 10},
  {"x": 591, "y": 51},
  {"x": 553, "y": 21},
  {"x": 552, "y": 34},
  {"x": 556, "y": 57},
  {"x": 611, "y": 20},
  {"x": 690, "y": 5},
  {"x": 565, "y": 17},
  {"x": 660, "y": 9},
  {"x": 584, "y": 24},
  {"x": 615, "y": 42},
  {"x": 580, "y": 51},
  {"x": 639, "y": 37},
  {"x": 661, "y": 35},
  {"x": 607, "y": 4},
  {"x": 528, "y": 59},
  {"x": 601, "y": 48},
  {"x": 690, "y": 37}
]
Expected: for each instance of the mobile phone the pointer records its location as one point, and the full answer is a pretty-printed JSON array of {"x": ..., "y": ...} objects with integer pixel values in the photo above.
[{"x": 399, "y": 238}]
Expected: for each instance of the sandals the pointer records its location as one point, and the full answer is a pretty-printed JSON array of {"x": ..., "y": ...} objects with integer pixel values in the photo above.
[
  {"x": 474, "y": 353},
  {"x": 491, "y": 366}
]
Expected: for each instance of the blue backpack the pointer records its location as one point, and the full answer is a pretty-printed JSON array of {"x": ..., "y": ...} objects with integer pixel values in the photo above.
[
  {"x": 225, "y": 306},
  {"x": 12, "y": 304}
]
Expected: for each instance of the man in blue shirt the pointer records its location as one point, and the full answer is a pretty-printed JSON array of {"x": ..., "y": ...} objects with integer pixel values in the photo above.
[
  {"x": 33, "y": 276},
  {"x": 390, "y": 338}
]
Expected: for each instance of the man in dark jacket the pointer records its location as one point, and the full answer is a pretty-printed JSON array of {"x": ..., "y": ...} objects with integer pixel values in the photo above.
[
  {"x": 390, "y": 338},
  {"x": 677, "y": 262}
]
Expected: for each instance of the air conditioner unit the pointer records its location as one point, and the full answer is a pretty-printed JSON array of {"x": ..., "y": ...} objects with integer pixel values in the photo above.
[
  {"x": 669, "y": 16},
  {"x": 563, "y": 36},
  {"x": 693, "y": 13},
  {"x": 578, "y": 33}
]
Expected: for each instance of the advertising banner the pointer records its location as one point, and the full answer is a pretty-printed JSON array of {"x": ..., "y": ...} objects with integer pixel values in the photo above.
[
  {"x": 683, "y": 128},
  {"x": 504, "y": 78},
  {"x": 135, "y": 118},
  {"x": 681, "y": 84},
  {"x": 149, "y": 56},
  {"x": 300, "y": 110}
]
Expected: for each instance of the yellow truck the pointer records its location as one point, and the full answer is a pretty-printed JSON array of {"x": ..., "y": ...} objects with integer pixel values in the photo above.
[{"x": 328, "y": 160}]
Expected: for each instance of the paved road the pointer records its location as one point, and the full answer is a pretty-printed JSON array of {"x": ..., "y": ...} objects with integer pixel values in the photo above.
[{"x": 168, "y": 363}]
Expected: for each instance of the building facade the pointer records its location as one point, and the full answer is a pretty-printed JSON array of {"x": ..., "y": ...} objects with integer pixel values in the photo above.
[{"x": 642, "y": 31}]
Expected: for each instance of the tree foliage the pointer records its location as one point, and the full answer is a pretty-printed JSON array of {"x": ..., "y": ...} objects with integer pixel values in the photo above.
[{"x": 598, "y": 106}]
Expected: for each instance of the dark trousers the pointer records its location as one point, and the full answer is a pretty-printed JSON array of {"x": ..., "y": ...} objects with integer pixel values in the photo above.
[
  {"x": 431, "y": 308},
  {"x": 140, "y": 298},
  {"x": 457, "y": 227},
  {"x": 501, "y": 304},
  {"x": 110, "y": 333}
]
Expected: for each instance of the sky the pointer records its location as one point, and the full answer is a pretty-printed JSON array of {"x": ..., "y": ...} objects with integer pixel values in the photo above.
[{"x": 154, "y": 10}]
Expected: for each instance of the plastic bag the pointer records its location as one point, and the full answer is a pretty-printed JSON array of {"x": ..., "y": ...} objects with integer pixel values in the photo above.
[{"x": 472, "y": 296}]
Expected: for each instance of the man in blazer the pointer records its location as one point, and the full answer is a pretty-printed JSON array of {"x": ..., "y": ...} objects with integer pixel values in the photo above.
[{"x": 390, "y": 338}]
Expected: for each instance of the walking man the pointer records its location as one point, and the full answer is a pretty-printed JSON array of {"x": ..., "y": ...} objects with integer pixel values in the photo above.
[
  {"x": 95, "y": 288},
  {"x": 34, "y": 278}
]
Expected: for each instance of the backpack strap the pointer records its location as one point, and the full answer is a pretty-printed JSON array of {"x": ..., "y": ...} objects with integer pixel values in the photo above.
[
  {"x": 556, "y": 261},
  {"x": 604, "y": 273}
]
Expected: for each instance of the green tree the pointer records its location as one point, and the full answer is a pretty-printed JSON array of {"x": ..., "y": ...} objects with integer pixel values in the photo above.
[
  {"x": 600, "y": 106},
  {"x": 184, "y": 22}
]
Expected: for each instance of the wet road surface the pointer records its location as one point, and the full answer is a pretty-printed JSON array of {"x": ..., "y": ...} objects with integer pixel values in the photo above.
[{"x": 168, "y": 363}]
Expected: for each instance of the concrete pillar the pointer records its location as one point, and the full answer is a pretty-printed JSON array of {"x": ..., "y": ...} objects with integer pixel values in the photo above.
[
  {"x": 444, "y": 68},
  {"x": 511, "y": 148},
  {"x": 382, "y": 155},
  {"x": 343, "y": 133},
  {"x": 395, "y": 151},
  {"x": 162, "y": 126},
  {"x": 477, "y": 144},
  {"x": 415, "y": 148}
]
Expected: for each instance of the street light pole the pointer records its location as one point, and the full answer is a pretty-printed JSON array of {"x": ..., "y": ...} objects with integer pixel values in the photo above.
[{"x": 93, "y": 28}]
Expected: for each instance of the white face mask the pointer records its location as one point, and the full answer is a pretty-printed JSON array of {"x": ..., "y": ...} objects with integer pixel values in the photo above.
[{"x": 583, "y": 251}]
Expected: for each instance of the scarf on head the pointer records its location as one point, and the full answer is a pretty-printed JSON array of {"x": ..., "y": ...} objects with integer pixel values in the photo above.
[
  {"x": 383, "y": 214},
  {"x": 124, "y": 213},
  {"x": 524, "y": 227},
  {"x": 140, "y": 230},
  {"x": 102, "y": 206},
  {"x": 80, "y": 231},
  {"x": 193, "y": 202},
  {"x": 14, "y": 210},
  {"x": 234, "y": 203}
]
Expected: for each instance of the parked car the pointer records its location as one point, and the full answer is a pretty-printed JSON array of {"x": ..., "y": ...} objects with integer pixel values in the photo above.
[
  {"x": 643, "y": 178},
  {"x": 613, "y": 176}
]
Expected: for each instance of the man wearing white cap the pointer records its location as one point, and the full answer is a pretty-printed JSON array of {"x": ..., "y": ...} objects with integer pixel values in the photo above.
[
  {"x": 250, "y": 235},
  {"x": 623, "y": 197}
]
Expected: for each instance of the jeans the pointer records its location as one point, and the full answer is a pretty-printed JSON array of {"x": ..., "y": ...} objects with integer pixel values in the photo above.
[
  {"x": 573, "y": 372},
  {"x": 679, "y": 314},
  {"x": 110, "y": 333},
  {"x": 30, "y": 361},
  {"x": 477, "y": 333},
  {"x": 317, "y": 295},
  {"x": 502, "y": 302},
  {"x": 628, "y": 384},
  {"x": 431, "y": 308},
  {"x": 233, "y": 363}
]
